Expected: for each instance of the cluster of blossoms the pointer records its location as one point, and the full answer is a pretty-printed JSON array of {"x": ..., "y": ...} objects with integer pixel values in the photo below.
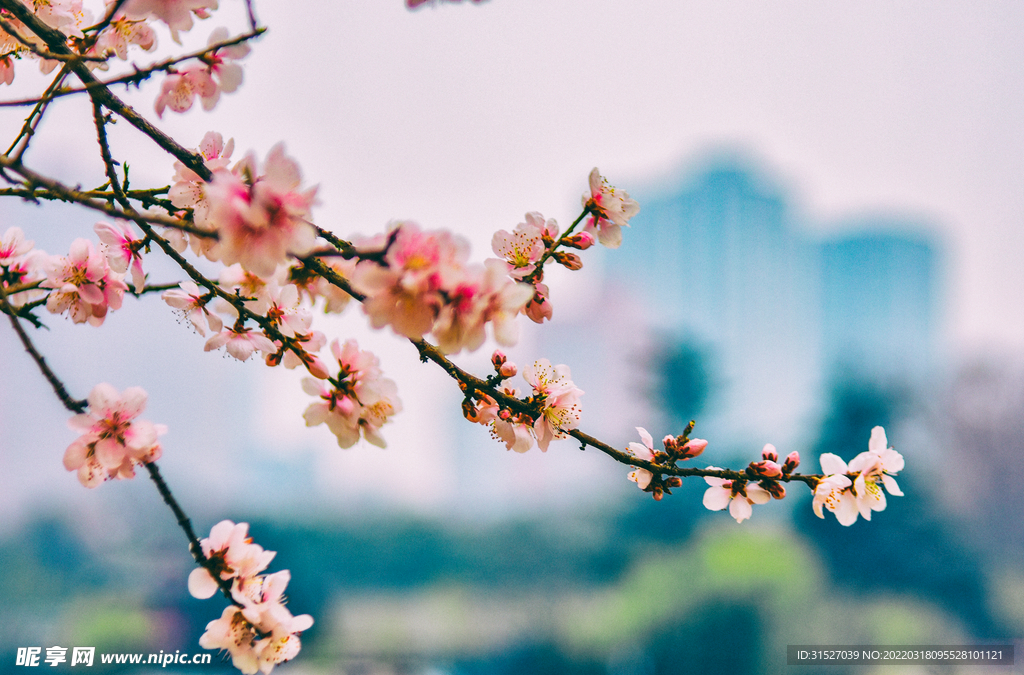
[
  {"x": 423, "y": 284},
  {"x": 258, "y": 631},
  {"x": 356, "y": 400},
  {"x": 210, "y": 73},
  {"x": 86, "y": 283},
  {"x": 113, "y": 441},
  {"x": 549, "y": 413},
  {"x": 856, "y": 489},
  {"x": 846, "y": 490}
]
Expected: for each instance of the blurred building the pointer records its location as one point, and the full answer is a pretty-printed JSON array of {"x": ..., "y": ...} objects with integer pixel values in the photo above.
[{"x": 722, "y": 261}]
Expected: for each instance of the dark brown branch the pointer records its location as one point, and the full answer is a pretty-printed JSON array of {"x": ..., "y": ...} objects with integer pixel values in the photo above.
[
  {"x": 56, "y": 41},
  {"x": 139, "y": 74},
  {"x": 58, "y": 387}
]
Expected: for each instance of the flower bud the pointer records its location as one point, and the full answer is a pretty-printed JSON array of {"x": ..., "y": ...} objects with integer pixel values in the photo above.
[
  {"x": 674, "y": 482},
  {"x": 505, "y": 414},
  {"x": 774, "y": 489},
  {"x": 792, "y": 462},
  {"x": 498, "y": 359},
  {"x": 469, "y": 410},
  {"x": 671, "y": 444},
  {"x": 770, "y": 453},
  {"x": 658, "y": 494},
  {"x": 570, "y": 261},
  {"x": 316, "y": 367},
  {"x": 508, "y": 370},
  {"x": 581, "y": 241},
  {"x": 765, "y": 468},
  {"x": 694, "y": 447}
]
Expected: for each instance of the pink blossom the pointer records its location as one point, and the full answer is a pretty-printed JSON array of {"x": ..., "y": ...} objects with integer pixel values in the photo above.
[
  {"x": 240, "y": 343},
  {"x": 122, "y": 32},
  {"x": 313, "y": 286},
  {"x": 121, "y": 247},
  {"x": 188, "y": 190},
  {"x": 13, "y": 245},
  {"x": 645, "y": 451},
  {"x": 481, "y": 296},
  {"x": 849, "y": 491},
  {"x": 539, "y": 307},
  {"x": 83, "y": 284},
  {"x": 407, "y": 292},
  {"x": 356, "y": 400},
  {"x": 177, "y": 14},
  {"x": 113, "y": 441},
  {"x": 739, "y": 495},
  {"x": 229, "y": 550},
  {"x": 559, "y": 399},
  {"x": 525, "y": 246},
  {"x": 610, "y": 210},
  {"x": 192, "y": 304},
  {"x": 263, "y": 219}
]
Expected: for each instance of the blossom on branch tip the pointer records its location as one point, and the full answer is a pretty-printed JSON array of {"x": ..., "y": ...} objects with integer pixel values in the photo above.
[
  {"x": 856, "y": 489},
  {"x": 113, "y": 441},
  {"x": 610, "y": 210},
  {"x": 524, "y": 247}
]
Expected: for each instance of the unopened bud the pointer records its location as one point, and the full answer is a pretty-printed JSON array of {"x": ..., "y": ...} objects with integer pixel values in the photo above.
[
  {"x": 694, "y": 447},
  {"x": 792, "y": 462},
  {"x": 581, "y": 241},
  {"x": 315, "y": 366},
  {"x": 274, "y": 359},
  {"x": 498, "y": 358},
  {"x": 658, "y": 494},
  {"x": 469, "y": 410},
  {"x": 508, "y": 370},
  {"x": 671, "y": 444},
  {"x": 674, "y": 482},
  {"x": 570, "y": 261},
  {"x": 505, "y": 414},
  {"x": 774, "y": 489},
  {"x": 769, "y": 452},
  {"x": 765, "y": 468}
]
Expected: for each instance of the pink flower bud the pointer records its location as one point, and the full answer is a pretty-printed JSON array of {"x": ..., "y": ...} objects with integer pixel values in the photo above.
[
  {"x": 774, "y": 489},
  {"x": 508, "y": 370},
  {"x": 766, "y": 468},
  {"x": 497, "y": 359},
  {"x": 505, "y": 414},
  {"x": 570, "y": 261},
  {"x": 674, "y": 482},
  {"x": 670, "y": 443},
  {"x": 316, "y": 367},
  {"x": 792, "y": 462},
  {"x": 581, "y": 241},
  {"x": 770, "y": 453},
  {"x": 694, "y": 447}
]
